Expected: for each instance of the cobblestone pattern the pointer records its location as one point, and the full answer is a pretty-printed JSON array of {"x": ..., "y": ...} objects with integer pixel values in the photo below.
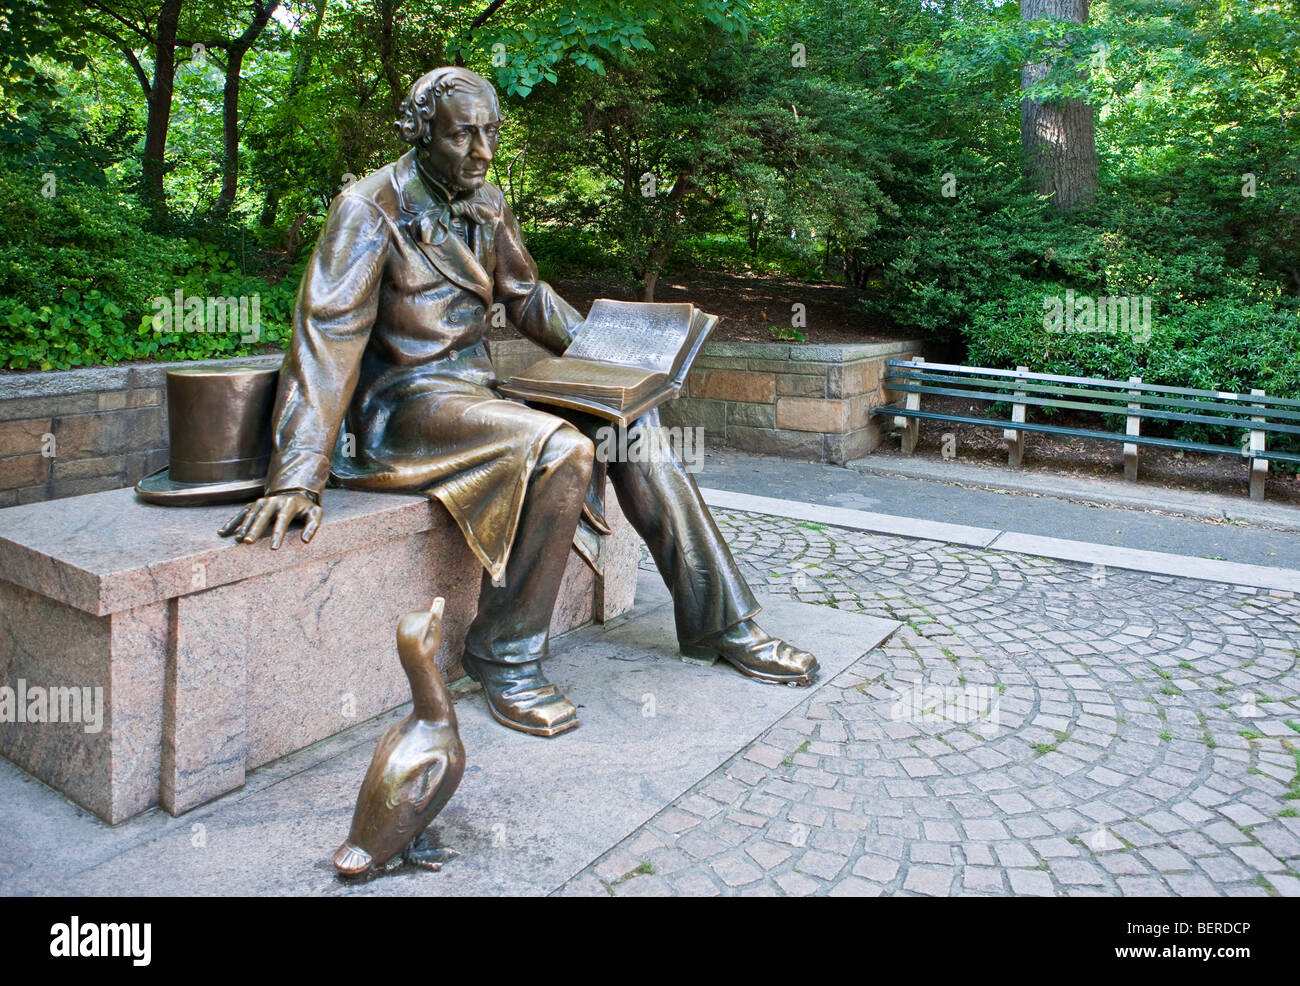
[{"x": 1036, "y": 728}]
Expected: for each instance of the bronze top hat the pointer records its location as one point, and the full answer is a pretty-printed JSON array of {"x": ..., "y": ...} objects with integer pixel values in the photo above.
[{"x": 219, "y": 424}]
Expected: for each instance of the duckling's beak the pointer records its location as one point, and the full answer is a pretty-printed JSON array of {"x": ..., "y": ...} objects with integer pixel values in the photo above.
[{"x": 435, "y": 617}]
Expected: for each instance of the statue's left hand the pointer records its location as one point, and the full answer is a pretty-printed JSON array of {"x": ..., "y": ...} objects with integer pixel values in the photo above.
[{"x": 281, "y": 508}]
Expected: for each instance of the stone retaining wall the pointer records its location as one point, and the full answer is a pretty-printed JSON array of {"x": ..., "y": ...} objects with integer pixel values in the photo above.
[
  {"x": 69, "y": 432},
  {"x": 803, "y": 401}
]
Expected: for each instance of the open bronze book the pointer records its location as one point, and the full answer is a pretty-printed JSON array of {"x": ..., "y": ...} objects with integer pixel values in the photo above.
[{"x": 626, "y": 358}]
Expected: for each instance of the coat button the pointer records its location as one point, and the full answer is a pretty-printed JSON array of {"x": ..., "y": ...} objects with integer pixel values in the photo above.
[
  {"x": 453, "y": 318},
  {"x": 453, "y": 354}
]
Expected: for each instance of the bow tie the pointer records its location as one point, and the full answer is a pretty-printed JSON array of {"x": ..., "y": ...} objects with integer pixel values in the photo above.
[{"x": 433, "y": 225}]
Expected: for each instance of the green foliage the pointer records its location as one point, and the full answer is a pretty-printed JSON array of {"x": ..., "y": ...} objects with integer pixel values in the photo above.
[
  {"x": 78, "y": 278},
  {"x": 878, "y": 145}
]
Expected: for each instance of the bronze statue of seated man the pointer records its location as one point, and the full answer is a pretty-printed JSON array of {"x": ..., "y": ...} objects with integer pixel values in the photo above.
[{"x": 387, "y": 386}]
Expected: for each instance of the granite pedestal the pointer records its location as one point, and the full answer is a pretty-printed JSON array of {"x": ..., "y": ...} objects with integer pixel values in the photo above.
[{"x": 199, "y": 659}]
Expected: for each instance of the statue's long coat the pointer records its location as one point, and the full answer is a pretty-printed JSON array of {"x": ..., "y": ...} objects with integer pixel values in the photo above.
[{"x": 388, "y": 340}]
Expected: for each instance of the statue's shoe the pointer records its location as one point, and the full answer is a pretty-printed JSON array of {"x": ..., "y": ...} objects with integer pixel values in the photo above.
[
  {"x": 519, "y": 696},
  {"x": 756, "y": 653}
]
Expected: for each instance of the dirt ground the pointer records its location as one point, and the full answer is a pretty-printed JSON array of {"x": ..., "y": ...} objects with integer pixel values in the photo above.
[
  {"x": 749, "y": 306},
  {"x": 1065, "y": 455}
]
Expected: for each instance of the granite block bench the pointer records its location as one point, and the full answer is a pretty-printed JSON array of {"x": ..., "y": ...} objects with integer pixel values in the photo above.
[{"x": 186, "y": 660}]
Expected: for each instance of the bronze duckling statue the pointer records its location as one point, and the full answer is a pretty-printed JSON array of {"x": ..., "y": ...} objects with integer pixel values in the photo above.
[{"x": 416, "y": 768}]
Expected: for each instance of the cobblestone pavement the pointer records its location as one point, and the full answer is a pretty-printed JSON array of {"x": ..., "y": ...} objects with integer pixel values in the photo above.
[{"x": 1036, "y": 727}]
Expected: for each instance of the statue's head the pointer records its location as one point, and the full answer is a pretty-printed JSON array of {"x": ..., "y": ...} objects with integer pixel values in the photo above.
[{"x": 451, "y": 117}]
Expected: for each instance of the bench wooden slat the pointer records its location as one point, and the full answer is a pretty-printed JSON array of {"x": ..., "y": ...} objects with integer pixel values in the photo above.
[
  {"x": 1249, "y": 423},
  {"x": 1252, "y": 406},
  {"x": 898, "y": 409},
  {"x": 1155, "y": 388}
]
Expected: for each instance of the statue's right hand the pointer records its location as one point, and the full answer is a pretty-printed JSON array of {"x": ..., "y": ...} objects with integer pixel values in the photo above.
[{"x": 281, "y": 508}]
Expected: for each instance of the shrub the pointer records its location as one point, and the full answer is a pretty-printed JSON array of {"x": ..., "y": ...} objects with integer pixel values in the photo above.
[{"x": 77, "y": 279}]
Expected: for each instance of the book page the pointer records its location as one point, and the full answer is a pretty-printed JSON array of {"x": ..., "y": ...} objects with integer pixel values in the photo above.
[{"x": 632, "y": 333}]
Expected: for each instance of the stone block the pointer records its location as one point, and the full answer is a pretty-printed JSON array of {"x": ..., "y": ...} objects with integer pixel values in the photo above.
[
  {"x": 706, "y": 362},
  {"x": 691, "y": 412},
  {"x": 809, "y": 414},
  {"x": 107, "y": 764},
  {"x": 110, "y": 432},
  {"x": 615, "y": 591},
  {"x": 853, "y": 379},
  {"x": 735, "y": 385},
  {"x": 800, "y": 385},
  {"x": 751, "y": 415},
  {"x": 14, "y": 408},
  {"x": 23, "y": 470},
  {"x": 24, "y": 436},
  {"x": 112, "y": 400},
  {"x": 62, "y": 488},
  {"x": 841, "y": 449},
  {"x": 786, "y": 366},
  {"x": 214, "y": 657},
  {"x": 108, "y": 465},
  {"x": 144, "y": 397},
  {"x": 774, "y": 441},
  {"x": 860, "y": 410}
]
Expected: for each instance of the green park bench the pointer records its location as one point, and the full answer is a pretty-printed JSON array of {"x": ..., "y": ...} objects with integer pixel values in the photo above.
[{"x": 1256, "y": 414}]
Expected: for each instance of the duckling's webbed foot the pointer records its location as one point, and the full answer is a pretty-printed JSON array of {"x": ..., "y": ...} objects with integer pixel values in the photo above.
[{"x": 427, "y": 856}]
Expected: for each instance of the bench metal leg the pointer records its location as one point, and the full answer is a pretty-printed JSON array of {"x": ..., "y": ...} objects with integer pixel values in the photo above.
[
  {"x": 1258, "y": 467},
  {"x": 1016, "y": 437},
  {"x": 910, "y": 427},
  {"x": 911, "y": 432},
  {"x": 1132, "y": 426}
]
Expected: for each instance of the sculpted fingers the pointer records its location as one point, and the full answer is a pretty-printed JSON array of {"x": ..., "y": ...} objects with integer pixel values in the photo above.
[
  {"x": 233, "y": 523},
  {"x": 282, "y": 521},
  {"x": 314, "y": 517},
  {"x": 256, "y": 526},
  {"x": 247, "y": 517}
]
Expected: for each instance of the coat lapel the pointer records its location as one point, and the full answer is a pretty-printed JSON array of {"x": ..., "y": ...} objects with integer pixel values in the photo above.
[{"x": 451, "y": 256}]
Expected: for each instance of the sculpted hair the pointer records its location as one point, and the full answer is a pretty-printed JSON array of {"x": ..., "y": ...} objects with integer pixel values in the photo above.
[{"x": 420, "y": 108}]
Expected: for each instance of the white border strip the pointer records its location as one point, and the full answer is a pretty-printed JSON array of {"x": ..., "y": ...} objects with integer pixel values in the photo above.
[{"x": 1134, "y": 559}]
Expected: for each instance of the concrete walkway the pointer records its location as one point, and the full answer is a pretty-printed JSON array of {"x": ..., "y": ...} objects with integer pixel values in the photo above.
[{"x": 1046, "y": 506}]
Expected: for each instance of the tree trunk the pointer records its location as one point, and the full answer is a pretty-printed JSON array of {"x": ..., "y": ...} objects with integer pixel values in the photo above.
[
  {"x": 160, "y": 111},
  {"x": 1059, "y": 139},
  {"x": 652, "y": 276},
  {"x": 230, "y": 133},
  {"x": 306, "y": 47},
  {"x": 387, "y": 53},
  {"x": 660, "y": 249},
  {"x": 230, "y": 104}
]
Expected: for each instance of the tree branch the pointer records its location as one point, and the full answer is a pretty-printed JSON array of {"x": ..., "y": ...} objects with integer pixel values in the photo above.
[
  {"x": 488, "y": 11},
  {"x": 130, "y": 55}
]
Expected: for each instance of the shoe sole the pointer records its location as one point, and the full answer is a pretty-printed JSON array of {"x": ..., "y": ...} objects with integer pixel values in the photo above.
[
  {"x": 546, "y": 731},
  {"x": 697, "y": 653}
]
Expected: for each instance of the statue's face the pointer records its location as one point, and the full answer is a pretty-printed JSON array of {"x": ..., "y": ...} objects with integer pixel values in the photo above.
[{"x": 464, "y": 137}]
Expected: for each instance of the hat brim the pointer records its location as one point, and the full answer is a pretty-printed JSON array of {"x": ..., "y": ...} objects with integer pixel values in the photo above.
[{"x": 160, "y": 488}]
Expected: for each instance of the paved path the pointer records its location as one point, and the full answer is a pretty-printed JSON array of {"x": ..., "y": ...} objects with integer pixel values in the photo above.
[
  {"x": 937, "y": 499},
  {"x": 1037, "y": 727}
]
